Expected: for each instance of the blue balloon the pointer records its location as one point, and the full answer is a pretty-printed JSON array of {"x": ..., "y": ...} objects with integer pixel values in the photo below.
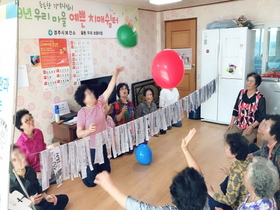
[{"x": 144, "y": 154}]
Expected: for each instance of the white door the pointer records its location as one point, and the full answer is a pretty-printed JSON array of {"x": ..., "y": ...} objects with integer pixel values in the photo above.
[
  {"x": 233, "y": 53},
  {"x": 209, "y": 71},
  {"x": 228, "y": 92},
  {"x": 231, "y": 71}
]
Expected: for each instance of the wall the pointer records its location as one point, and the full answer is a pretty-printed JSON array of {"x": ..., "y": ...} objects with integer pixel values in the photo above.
[
  {"x": 259, "y": 11},
  {"x": 107, "y": 55}
]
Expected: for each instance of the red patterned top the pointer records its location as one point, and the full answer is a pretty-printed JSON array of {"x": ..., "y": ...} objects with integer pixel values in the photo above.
[
  {"x": 248, "y": 110},
  {"x": 128, "y": 114}
]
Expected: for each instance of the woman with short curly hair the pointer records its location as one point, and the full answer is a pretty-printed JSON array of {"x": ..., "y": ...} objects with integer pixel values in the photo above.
[
  {"x": 91, "y": 120},
  {"x": 262, "y": 181},
  {"x": 123, "y": 109},
  {"x": 31, "y": 140}
]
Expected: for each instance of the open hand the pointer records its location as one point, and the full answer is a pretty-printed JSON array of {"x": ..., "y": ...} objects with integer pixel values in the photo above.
[
  {"x": 187, "y": 139},
  {"x": 92, "y": 128},
  {"x": 249, "y": 130},
  {"x": 250, "y": 156},
  {"x": 104, "y": 180},
  {"x": 230, "y": 126},
  {"x": 119, "y": 69},
  {"x": 224, "y": 170},
  {"x": 52, "y": 199},
  {"x": 36, "y": 199},
  {"x": 124, "y": 109}
]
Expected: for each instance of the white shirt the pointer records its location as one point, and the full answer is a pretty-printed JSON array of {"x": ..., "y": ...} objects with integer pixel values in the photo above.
[{"x": 168, "y": 97}]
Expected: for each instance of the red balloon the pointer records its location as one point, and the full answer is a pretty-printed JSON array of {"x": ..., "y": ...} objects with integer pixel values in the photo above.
[{"x": 168, "y": 69}]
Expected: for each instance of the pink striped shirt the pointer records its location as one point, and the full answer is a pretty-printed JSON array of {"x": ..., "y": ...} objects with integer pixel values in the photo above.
[{"x": 95, "y": 115}]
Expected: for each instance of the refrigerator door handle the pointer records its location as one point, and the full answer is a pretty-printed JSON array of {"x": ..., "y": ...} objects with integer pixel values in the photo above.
[{"x": 219, "y": 58}]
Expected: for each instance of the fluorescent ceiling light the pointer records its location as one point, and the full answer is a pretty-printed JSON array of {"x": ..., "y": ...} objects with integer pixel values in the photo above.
[{"x": 161, "y": 2}]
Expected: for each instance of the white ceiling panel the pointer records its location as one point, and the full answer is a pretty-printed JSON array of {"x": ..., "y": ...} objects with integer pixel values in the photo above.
[{"x": 144, "y": 4}]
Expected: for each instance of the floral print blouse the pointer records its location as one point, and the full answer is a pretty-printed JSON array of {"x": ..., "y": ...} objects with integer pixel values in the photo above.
[{"x": 258, "y": 205}]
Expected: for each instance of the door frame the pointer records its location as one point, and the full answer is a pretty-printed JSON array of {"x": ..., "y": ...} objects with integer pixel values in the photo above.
[{"x": 176, "y": 20}]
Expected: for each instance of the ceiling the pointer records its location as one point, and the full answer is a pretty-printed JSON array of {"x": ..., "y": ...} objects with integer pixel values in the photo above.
[{"x": 144, "y": 4}]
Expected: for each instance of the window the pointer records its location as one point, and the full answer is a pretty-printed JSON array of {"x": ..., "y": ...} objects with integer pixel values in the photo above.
[
  {"x": 267, "y": 49},
  {"x": 258, "y": 50}
]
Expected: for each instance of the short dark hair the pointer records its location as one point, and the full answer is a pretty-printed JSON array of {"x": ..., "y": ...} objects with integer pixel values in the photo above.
[
  {"x": 257, "y": 77},
  {"x": 18, "y": 116},
  {"x": 188, "y": 190},
  {"x": 239, "y": 145},
  {"x": 80, "y": 94},
  {"x": 120, "y": 85},
  {"x": 148, "y": 89},
  {"x": 275, "y": 128}
]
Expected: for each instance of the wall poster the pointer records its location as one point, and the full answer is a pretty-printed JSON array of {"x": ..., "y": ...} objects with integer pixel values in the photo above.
[
  {"x": 55, "y": 63},
  {"x": 186, "y": 56}
]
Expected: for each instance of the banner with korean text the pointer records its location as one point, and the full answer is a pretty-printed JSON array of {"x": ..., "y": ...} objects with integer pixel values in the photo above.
[
  {"x": 8, "y": 40},
  {"x": 73, "y": 19}
]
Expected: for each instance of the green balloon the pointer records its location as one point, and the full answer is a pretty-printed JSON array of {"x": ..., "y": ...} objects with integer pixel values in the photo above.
[{"x": 126, "y": 36}]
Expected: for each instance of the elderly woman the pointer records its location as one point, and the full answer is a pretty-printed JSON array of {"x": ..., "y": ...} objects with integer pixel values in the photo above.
[
  {"x": 188, "y": 189},
  {"x": 262, "y": 181},
  {"x": 31, "y": 140},
  {"x": 148, "y": 106},
  {"x": 27, "y": 176},
  {"x": 249, "y": 109},
  {"x": 234, "y": 192},
  {"x": 123, "y": 108},
  {"x": 91, "y": 120}
]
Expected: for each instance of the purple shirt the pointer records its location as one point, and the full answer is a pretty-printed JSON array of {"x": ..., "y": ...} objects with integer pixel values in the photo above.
[
  {"x": 95, "y": 115},
  {"x": 259, "y": 205},
  {"x": 32, "y": 147}
]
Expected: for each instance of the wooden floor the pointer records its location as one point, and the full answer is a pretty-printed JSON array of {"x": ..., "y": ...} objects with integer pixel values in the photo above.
[{"x": 151, "y": 183}]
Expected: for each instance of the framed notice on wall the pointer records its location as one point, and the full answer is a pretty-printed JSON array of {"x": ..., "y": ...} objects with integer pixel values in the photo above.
[{"x": 186, "y": 55}]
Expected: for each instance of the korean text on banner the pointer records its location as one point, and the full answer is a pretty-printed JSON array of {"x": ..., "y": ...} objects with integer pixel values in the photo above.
[{"x": 73, "y": 19}]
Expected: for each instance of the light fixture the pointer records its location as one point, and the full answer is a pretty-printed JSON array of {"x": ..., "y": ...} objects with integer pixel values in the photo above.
[{"x": 161, "y": 2}]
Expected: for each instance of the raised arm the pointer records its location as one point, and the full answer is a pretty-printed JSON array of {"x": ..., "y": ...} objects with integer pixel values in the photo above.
[
  {"x": 189, "y": 157},
  {"x": 103, "y": 179},
  {"x": 112, "y": 83}
]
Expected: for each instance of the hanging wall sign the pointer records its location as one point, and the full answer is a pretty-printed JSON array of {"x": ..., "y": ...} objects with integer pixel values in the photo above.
[
  {"x": 186, "y": 56},
  {"x": 73, "y": 19}
]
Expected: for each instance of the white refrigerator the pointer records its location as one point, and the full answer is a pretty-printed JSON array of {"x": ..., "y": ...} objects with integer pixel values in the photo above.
[{"x": 227, "y": 54}]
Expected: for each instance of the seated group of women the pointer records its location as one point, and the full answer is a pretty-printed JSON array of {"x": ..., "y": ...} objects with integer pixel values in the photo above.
[
  {"x": 188, "y": 190},
  {"x": 252, "y": 181},
  {"x": 92, "y": 119}
]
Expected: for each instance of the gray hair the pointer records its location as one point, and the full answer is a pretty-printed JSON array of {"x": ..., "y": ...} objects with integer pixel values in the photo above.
[{"x": 264, "y": 177}]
